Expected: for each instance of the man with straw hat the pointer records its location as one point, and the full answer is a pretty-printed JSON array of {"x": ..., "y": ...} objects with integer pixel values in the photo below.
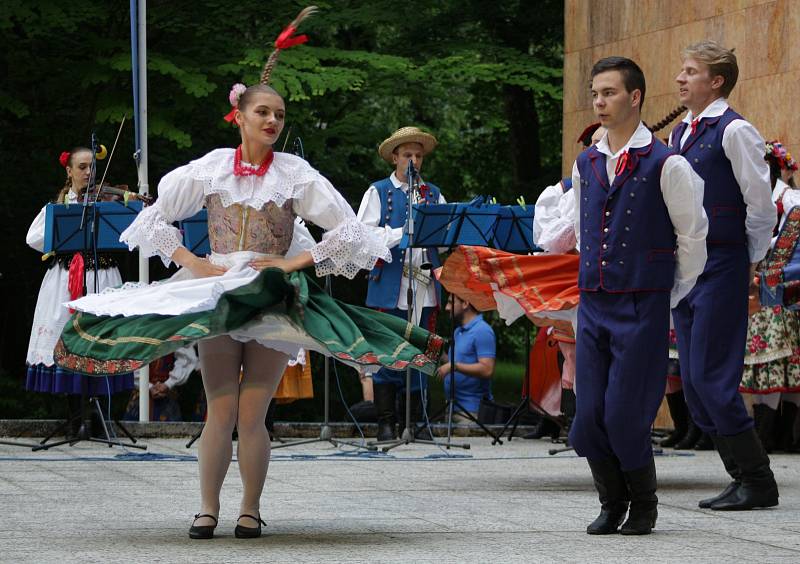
[{"x": 385, "y": 205}]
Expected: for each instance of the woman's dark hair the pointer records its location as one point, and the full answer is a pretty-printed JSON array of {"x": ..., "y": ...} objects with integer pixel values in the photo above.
[{"x": 632, "y": 75}]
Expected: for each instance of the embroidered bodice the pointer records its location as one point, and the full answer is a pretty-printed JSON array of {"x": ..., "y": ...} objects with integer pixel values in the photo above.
[{"x": 267, "y": 230}]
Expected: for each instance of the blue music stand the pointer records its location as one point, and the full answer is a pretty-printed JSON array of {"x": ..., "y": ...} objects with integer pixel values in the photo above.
[
  {"x": 90, "y": 228},
  {"x": 195, "y": 233},
  {"x": 451, "y": 225},
  {"x": 514, "y": 231},
  {"x": 63, "y": 233}
]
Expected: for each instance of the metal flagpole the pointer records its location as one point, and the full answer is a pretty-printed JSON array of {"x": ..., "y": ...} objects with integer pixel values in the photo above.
[{"x": 139, "y": 54}]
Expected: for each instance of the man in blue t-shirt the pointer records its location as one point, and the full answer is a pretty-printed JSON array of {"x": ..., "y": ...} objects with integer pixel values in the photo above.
[{"x": 474, "y": 357}]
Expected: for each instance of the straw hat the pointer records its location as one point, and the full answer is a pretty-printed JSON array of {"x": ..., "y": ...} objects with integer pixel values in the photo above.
[{"x": 406, "y": 135}]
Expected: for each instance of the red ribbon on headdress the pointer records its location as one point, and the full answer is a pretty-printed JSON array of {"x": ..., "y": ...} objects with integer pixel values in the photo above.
[
  {"x": 285, "y": 39},
  {"x": 75, "y": 284},
  {"x": 63, "y": 158},
  {"x": 231, "y": 115}
]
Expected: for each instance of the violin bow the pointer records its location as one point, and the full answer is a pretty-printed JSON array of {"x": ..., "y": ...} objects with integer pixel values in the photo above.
[{"x": 111, "y": 156}]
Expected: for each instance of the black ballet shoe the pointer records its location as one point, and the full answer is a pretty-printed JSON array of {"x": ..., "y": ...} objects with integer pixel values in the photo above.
[
  {"x": 248, "y": 532},
  {"x": 202, "y": 531}
]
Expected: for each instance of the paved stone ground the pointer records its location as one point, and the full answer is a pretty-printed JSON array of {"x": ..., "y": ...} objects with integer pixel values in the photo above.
[{"x": 509, "y": 503}]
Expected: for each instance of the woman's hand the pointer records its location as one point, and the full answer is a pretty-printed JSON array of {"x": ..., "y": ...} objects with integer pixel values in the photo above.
[
  {"x": 199, "y": 267},
  {"x": 288, "y": 265}
]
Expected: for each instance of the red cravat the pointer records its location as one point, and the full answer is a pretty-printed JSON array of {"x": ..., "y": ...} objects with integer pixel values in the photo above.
[
  {"x": 622, "y": 163},
  {"x": 694, "y": 125}
]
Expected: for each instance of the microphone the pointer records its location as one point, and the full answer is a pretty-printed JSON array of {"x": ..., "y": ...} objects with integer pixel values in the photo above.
[{"x": 411, "y": 172}]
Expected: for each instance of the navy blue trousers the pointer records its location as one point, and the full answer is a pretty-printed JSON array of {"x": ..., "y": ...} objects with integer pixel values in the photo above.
[
  {"x": 711, "y": 326},
  {"x": 398, "y": 377},
  {"x": 622, "y": 346}
]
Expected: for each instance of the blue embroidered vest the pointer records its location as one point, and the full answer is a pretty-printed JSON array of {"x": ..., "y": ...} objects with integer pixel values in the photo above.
[
  {"x": 722, "y": 197},
  {"x": 383, "y": 289},
  {"x": 627, "y": 241}
]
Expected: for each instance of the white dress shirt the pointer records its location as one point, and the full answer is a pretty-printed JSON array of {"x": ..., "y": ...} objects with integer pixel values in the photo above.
[
  {"x": 788, "y": 196},
  {"x": 369, "y": 213},
  {"x": 682, "y": 189},
  {"x": 745, "y": 148},
  {"x": 554, "y": 220}
]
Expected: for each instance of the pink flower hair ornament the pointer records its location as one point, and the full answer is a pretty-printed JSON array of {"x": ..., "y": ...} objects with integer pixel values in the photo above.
[{"x": 233, "y": 97}]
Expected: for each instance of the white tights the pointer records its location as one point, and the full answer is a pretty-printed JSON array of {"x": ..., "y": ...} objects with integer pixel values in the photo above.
[{"x": 240, "y": 405}]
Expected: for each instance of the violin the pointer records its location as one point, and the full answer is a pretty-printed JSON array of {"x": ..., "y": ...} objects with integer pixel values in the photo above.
[{"x": 110, "y": 193}]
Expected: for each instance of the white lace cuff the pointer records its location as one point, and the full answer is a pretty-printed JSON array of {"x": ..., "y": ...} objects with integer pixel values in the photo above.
[
  {"x": 559, "y": 237},
  {"x": 350, "y": 247},
  {"x": 153, "y": 235}
]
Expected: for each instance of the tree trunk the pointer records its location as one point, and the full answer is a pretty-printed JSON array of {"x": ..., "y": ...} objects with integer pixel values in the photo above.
[{"x": 523, "y": 120}]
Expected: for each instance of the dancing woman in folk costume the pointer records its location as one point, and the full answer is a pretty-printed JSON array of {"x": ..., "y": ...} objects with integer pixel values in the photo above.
[
  {"x": 63, "y": 282},
  {"x": 249, "y": 301},
  {"x": 772, "y": 348}
]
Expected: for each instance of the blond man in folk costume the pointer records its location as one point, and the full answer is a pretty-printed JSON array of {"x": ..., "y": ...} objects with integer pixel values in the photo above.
[{"x": 728, "y": 154}]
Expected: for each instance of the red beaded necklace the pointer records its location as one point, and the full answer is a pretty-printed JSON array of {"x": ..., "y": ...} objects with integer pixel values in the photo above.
[{"x": 239, "y": 170}]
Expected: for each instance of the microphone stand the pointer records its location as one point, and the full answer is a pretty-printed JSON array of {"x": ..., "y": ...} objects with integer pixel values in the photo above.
[{"x": 409, "y": 436}]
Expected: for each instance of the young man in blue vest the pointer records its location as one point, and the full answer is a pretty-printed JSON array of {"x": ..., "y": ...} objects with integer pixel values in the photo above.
[
  {"x": 385, "y": 204},
  {"x": 711, "y": 323},
  {"x": 641, "y": 233}
]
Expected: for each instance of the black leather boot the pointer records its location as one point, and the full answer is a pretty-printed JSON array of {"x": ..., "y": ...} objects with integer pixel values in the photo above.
[
  {"x": 758, "y": 487},
  {"x": 704, "y": 442},
  {"x": 680, "y": 418},
  {"x": 764, "y": 417},
  {"x": 546, "y": 427},
  {"x": 384, "y": 398},
  {"x": 731, "y": 468},
  {"x": 691, "y": 437},
  {"x": 613, "y": 493},
  {"x": 644, "y": 503},
  {"x": 785, "y": 427},
  {"x": 568, "y": 403}
]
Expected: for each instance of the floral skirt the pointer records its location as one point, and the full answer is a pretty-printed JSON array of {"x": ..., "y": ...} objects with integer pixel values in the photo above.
[{"x": 772, "y": 352}]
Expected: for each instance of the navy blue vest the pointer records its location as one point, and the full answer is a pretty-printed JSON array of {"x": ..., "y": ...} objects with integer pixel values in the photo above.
[
  {"x": 722, "y": 197},
  {"x": 383, "y": 289},
  {"x": 627, "y": 238}
]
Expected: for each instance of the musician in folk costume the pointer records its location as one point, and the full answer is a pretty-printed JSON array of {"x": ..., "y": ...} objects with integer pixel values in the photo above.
[
  {"x": 728, "y": 153},
  {"x": 385, "y": 205},
  {"x": 641, "y": 234},
  {"x": 64, "y": 281},
  {"x": 248, "y": 304}
]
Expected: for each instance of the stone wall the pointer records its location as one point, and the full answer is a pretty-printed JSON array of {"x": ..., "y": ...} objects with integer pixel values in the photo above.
[{"x": 765, "y": 34}]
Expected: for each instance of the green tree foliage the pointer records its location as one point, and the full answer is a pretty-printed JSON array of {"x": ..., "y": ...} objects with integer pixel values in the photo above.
[{"x": 485, "y": 78}]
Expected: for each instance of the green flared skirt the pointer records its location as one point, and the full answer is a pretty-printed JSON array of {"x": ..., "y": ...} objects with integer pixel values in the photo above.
[{"x": 274, "y": 308}]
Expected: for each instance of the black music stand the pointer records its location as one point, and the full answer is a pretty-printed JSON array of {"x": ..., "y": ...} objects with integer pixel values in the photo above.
[
  {"x": 90, "y": 227},
  {"x": 450, "y": 225}
]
